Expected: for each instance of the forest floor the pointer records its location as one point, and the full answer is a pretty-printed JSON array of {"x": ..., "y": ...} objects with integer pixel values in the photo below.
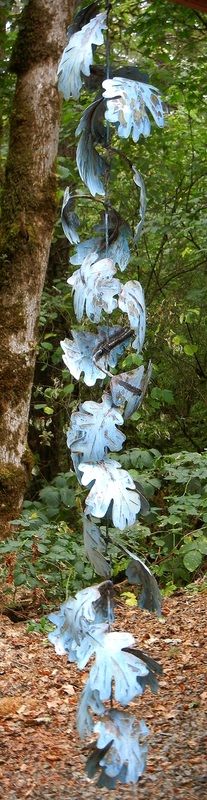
[{"x": 41, "y": 757}]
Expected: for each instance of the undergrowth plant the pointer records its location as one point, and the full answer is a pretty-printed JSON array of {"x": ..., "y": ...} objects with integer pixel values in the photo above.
[{"x": 120, "y": 671}]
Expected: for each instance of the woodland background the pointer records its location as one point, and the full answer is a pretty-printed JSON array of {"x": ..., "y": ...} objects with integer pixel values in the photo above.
[{"x": 166, "y": 439}]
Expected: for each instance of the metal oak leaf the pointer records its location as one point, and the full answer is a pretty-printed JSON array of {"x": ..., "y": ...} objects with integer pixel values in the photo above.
[
  {"x": 79, "y": 355},
  {"x": 78, "y": 56},
  {"x": 127, "y": 104},
  {"x": 94, "y": 288},
  {"x": 130, "y": 388},
  {"x": 111, "y": 485},
  {"x": 70, "y": 220},
  {"x": 125, "y": 759},
  {"x": 93, "y": 431},
  {"x": 131, "y": 301},
  {"x": 138, "y": 179},
  {"x": 95, "y": 546},
  {"x": 91, "y": 166},
  {"x": 77, "y": 615},
  {"x": 113, "y": 664},
  {"x": 137, "y": 572}
]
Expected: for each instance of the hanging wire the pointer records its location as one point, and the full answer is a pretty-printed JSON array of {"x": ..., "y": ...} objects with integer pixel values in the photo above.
[{"x": 107, "y": 50}]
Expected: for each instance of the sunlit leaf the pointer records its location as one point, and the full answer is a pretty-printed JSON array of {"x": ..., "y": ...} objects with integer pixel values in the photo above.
[
  {"x": 111, "y": 485},
  {"x": 78, "y": 56},
  {"x": 143, "y": 202},
  {"x": 91, "y": 165},
  {"x": 130, "y": 388},
  {"x": 89, "y": 702},
  {"x": 137, "y": 572},
  {"x": 94, "y": 288},
  {"x": 69, "y": 219},
  {"x": 127, "y": 104},
  {"x": 125, "y": 758},
  {"x": 79, "y": 354},
  {"x": 93, "y": 431},
  {"x": 131, "y": 301},
  {"x": 113, "y": 665},
  {"x": 95, "y": 546}
]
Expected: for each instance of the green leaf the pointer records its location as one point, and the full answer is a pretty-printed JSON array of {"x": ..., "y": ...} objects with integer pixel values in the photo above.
[
  {"x": 48, "y": 410},
  {"x": 190, "y": 349},
  {"x": 192, "y": 560}
]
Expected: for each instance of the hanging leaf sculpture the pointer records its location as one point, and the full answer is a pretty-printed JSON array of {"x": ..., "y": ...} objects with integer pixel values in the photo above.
[
  {"x": 114, "y": 485},
  {"x": 94, "y": 288},
  {"x": 78, "y": 56},
  {"x": 129, "y": 389},
  {"x": 69, "y": 219},
  {"x": 93, "y": 354},
  {"x": 125, "y": 758},
  {"x": 119, "y": 671},
  {"x": 127, "y": 104},
  {"x": 94, "y": 544},
  {"x": 131, "y": 300},
  {"x": 93, "y": 430}
]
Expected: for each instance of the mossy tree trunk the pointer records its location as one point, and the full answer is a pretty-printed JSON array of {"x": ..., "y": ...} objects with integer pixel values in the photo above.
[{"x": 28, "y": 216}]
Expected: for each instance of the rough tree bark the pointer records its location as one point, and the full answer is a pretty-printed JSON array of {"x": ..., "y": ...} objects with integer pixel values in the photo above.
[{"x": 28, "y": 215}]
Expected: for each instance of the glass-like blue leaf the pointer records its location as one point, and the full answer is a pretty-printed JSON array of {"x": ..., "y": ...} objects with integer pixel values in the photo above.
[
  {"x": 82, "y": 18},
  {"x": 79, "y": 354},
  {"x": 94, "y": 288},
  {"x": 91, "y": 166},
  {"x": 131, "y": 301},
  {"x": 137, "y": 572},
  {"x": 138, "y": 179},
  {"x": 125, "y": 760},
  {"x": 127, "y": 104},
  {"x": 115, "y": 671},
  {"x": 78, "y": 56},
  {"x": 89, "y": 702},
  {"x": 77, "y": 615},
  {"x": 95, "y": 546},
  {"x": 93, "y": 431},
  {"x": 130, "y": 388},
  {"x": 118, "y": 250},
  {"x": 69, "y": 219},
  {"x": 111, "y": 485}
]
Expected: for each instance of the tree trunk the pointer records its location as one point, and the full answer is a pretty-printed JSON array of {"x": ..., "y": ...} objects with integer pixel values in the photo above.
[{"x": 28, "y": 215}]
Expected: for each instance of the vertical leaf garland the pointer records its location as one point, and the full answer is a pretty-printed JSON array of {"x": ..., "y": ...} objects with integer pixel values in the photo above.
[{"x": 120, "y": 671}]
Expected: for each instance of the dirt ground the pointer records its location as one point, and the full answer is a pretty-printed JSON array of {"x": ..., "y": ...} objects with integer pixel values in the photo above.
[{"x": 41, "y": 756}]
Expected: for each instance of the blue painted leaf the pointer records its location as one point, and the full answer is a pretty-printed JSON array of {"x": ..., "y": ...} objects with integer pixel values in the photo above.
[
  {"x": 79, "y": 353},
  {"x": 111, "y": 485},
  {"x": 91, "y": 165},
  {"x": 95, "y": 546},
  {"x": 143, "y": 202},
  {"x": 118, "y": 250},
  {"x": 94, "y": 288},
  {"x": 127, "y": 101},
  {"x": 89, "y": 702},
  {"x": 69, "y": 219},
  {"x": 93, "y": 431},
  {"x": 131, "y": 301},
  {"x": 115, "y": 670},
  {"x": 136, "y": 380},
  {"x": 78, "y": 56},
  {"x": 82, "y": 18},
  {"x": 125, "y": 759},
  {"x": 137, "y": 572},
  {"x": 77, "y": 615}
]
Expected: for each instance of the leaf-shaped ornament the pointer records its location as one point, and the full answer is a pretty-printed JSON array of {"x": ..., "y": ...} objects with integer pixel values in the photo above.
[
  {"x": 137, "y": 572},
  {"x": 111, "y": 485},
  {"x": 69, "y": 219},
  {"x": 125, "y": 759},
  {"x": 127, "y": 101},
  {"x": 131, "y": 301},
  {"x": 94, "y": 288},
  {"x": 95, "y": 546},
  {"x": 89, "y": 702},
  {"x": 93, "y": 431},
  {"x": 118, "y": 249},
  {"x": 130, "y": 388},
  {"x": 77, "y": 615},
  {"x": 82, "y": 18},
  {"x": 127, "y": 672},
  {"x": 78, "y": 56},
  {"x": 138, "y": 179},
  {"x": 80, "y": 354},
  {"x": 91, "y": 166}
]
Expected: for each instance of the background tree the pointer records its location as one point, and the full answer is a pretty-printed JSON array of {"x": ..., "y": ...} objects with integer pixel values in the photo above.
[{"x": 28, "y": 215}]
